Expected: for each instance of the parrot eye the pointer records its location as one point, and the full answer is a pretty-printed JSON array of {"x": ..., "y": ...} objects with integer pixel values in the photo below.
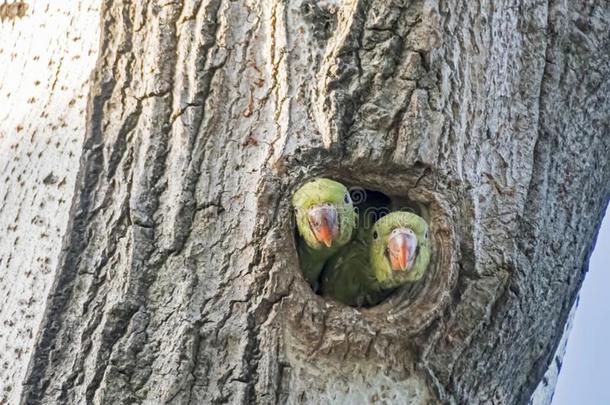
[
  {"x": 375, "y": 235},
  {"x": 426, "y": 234},
  {"x": 346, "y": 198}
]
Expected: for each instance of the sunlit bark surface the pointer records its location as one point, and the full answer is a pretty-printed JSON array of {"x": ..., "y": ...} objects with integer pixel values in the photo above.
[{"x": 47, "y": 52}]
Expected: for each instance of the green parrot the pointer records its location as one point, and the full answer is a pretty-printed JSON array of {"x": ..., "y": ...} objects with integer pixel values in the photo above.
[
  {"x": 325, "y": 219},
  {"x": 394, "y": 252}
]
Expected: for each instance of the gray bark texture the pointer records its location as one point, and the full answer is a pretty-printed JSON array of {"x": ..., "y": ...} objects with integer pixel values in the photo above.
[
  {"x": 47, "y": 52},
  {"x": 178, "y": 279}
]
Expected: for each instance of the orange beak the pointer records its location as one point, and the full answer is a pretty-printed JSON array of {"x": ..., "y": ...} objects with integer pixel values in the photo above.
[
  {"x": 323, "y": 223},
  {"x": 401, "y": 249},
  {"x": 324, "y": 235},
  {"x": 399, "y": 262}
]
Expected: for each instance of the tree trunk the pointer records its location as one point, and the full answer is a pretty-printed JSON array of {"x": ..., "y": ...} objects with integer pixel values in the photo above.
[
  {"x": 47, "y": 52},
  {"x": 178, "y": 279}
]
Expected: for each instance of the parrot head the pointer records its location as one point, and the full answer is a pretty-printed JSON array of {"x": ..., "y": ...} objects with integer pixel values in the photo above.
[
  {"x": 325, "y": 213},
  {"x": 399, "y": 249}
]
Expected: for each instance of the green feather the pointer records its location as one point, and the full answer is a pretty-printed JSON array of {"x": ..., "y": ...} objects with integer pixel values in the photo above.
[
  {"x": 312, "y": 254},
  {"x": 349, "y": 279},
  {"x": 361, "y": 275}
]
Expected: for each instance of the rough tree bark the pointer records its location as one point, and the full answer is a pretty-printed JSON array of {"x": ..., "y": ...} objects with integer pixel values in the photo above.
[
  {"x": 178, "y": 281},
  {"x": 47, "y": 53}
]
